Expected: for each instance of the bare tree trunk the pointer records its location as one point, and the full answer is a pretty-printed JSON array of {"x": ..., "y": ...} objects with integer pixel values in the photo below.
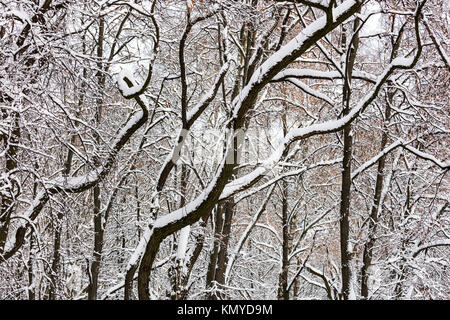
[
  {"x": 56, "y": 258},
  {"x": 94, "y": 269},
  {"x": 283, "y": 287},
  {"x": 200, "y": 240},
  {"x": 219, "y": 255},
  {"x": 283, "y": 292},
  {"x": 344, "y": 213},
  {"x": 401, "y": 275},
  {"x": 211, "y": 274},
  {"x": 6, "y": 203},
  {"x": 373, "y": 220},
  {"x": 138, "y": 210},
  {"x": 346, "y": 167},
  {"x": 222, "y": 258},
  {"x": 176, "y": 269},
  {"x": 31, "y": 289}
]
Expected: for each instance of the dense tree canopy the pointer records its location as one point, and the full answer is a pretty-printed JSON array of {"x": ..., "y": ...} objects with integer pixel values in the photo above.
[{"x": 224, "y": 149}]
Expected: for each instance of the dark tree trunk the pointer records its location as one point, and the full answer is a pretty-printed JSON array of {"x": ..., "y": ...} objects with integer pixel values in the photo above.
[
  {"x": 401, "y": 275},
  {"x": 98, "y": 246},
  {"x": 31, "y": 289},
  {"x": 6, "y": 202},
  {"x": 373, "y": 220},
  {"x": 94, "y": 269},
  {"x": 56, "y": 258},
  {"x": 213, "y": 257},
  {"x": 344, "y": 213},
  {"x": 368, "y": 248},
  {"x": 283, "y": 292},
  {"x": 222, "y": 258},
  {"x": 176, "y": 269},
  {"x": 346, "y": 168}
]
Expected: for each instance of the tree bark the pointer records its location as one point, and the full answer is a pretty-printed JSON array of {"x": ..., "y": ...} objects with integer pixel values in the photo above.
[
  {"x": 373, "y": 219},
  {"x": 213, "y": 257},
  {"x": 283, "y": 292},
  {"x": 346, "y": 167},
  {"x": 222, "y": 258},
  {"x": 98, "y": 217}
]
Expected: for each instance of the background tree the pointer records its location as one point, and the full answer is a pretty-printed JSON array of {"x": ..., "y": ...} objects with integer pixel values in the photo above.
[{"x": 224, "y": 149}]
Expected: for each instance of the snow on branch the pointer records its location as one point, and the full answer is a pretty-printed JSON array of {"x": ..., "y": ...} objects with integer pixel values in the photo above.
[
  {"x": 314, "y": 93},
  {"x": 434, "y": 244},
  {"x": 320, "y": 75},
  {"x": 288, "y": 53},
  {"x": 443, "y": 165},
  {"x": 84, "y": 182}
]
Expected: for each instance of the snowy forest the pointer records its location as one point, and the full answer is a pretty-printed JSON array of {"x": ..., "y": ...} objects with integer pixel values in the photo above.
[{"x": 224, "y": 150}]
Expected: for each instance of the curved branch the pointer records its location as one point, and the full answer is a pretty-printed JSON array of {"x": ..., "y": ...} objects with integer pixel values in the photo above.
[{"x": 81, "y": 183}]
